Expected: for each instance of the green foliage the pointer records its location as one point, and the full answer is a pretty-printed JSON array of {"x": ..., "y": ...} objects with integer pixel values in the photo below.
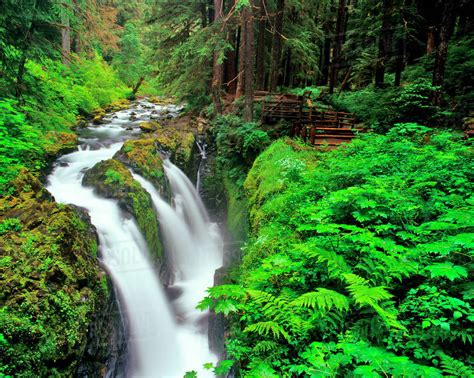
[
  {"x": 129, "y": 61},
  {"x": 238, "y": 144},
  {"x": 358, "y": 260},
  {"x": 9, "y": 224},
  {"x": 19, "y": 145},
  {"x": 381, "y": 108},
  {"x": 54, "y": 96}
]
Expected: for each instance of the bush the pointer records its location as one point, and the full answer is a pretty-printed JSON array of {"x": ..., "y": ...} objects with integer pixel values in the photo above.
[
  {"x": 381, "y": 108},
  {"x": 238, "y": 143}
]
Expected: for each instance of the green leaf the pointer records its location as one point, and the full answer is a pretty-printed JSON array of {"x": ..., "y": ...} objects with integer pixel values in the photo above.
[
  {"x": 447, "y": 270},
  {"x": 425, "y": 324}
]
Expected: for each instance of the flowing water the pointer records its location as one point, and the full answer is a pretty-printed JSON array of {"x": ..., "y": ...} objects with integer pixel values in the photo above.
[{"x": 166, "y": 337}]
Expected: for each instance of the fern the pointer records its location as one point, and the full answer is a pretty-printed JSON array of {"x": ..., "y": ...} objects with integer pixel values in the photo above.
[
  {"x": 455, "y": 368},
  {"x": 265, "y": 346},
  {"x": 336, "y": 263},
  {"x": 268, "y": 328},
  {"x": 362, "y": 293},
  {"x": 323, "y": 299}
]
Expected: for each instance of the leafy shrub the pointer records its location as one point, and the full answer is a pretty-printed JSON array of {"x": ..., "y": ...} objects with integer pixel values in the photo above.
[
  {"x": 21, "y": 143},
  {"x": 381, "y": 108},
  {"x": 238, "y": 143}
]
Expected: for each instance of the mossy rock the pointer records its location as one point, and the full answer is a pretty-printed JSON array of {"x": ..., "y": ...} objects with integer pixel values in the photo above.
[
  {"x": 51, "y": 282},
  {"x": 112, "y": 179},
  {"x": 149, "y": 127},
  {"x": 161, "y": 100},
  {"x": 98, "y": 116},
  {"x": 60, "y": 143},
  {"x": 117, "y": 105},
  {"x": 176, "y": 142},
  {"x": 144, "y": 158}
]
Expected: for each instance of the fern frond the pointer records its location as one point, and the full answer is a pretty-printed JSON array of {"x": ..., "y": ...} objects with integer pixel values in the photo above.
[
  {"x": 265, "y": 346},
  {"x": 455, "y": 368},
  {"x": 266, "y": 328},
  {"x": 323, "y": 299},
  {"x": 362, "y": 293},
  {"x": 336, "y": 263},
  {"x": 261, "y": 297}
]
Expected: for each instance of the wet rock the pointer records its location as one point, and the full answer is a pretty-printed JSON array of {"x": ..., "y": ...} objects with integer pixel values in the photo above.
[
  {"x": 111, "y": 179},
  {"x": 143, "y": 157},
  {"x": 149, "y": 127},
  {"x": 52, "y": 276}
]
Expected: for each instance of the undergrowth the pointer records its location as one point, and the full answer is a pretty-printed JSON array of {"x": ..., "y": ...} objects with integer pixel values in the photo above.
[{"x": 358, "y": 260}]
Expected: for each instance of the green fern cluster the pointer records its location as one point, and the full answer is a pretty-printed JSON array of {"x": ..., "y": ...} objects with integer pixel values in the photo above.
[{"x": 358, "y": 261}]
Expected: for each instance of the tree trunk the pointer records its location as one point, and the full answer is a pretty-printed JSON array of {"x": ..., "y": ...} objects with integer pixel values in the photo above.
[
  {"x": 65, "y": 39},
  {"x": 276, "y": 51},
  {"x": 401, "y": 60},
  {"x": 385, "y": 40},
  {"x": 324, "y": 62},
  {"x": 260, "y": 80},
  {"x": 241, "y": 59},
  {"x": 431, "y": 40},
  {"x": 231, "y": 62},
  {"x": 442, "y": 50},
  {"x": 137, "y": 86},
  {"x": 248, "y": 59},
  {"x": 217, "y": 70},
  {"x": 202, "y": 8},
  {"x": 339, "y": 40}
]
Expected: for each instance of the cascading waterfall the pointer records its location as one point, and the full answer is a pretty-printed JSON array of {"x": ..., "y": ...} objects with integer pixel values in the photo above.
[{"x": 166, "y": 339}]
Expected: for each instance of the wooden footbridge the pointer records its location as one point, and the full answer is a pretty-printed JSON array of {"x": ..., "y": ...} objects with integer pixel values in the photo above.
[{"x": 317, "y": 125}]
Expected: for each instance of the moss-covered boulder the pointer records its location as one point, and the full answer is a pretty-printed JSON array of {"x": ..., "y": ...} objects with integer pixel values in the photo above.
[
  {"x": 98, "y": 116},
  {"x": 59, "y": 143},
  {"x": 149, "y": 127},
  {"x": 117, "y": 105},
  {"x": 112, "y": 179},
  {"x": 143, "y": 156},
  {"x": 51, "y": 283},
  {"x": 178, "y": 142}
]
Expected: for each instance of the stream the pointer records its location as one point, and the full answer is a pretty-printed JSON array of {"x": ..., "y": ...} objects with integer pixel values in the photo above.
[{"x": 167, "y": 336}]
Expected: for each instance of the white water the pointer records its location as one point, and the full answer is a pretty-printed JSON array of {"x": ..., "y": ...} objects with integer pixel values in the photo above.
[{"x": 165, "y": 339}]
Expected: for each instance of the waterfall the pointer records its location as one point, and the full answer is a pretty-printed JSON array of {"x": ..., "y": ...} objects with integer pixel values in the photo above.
[
  {"x": 194, "y": 246},
  {"x": 166, "y": 337},
  {"x": 124, "y": 254}
]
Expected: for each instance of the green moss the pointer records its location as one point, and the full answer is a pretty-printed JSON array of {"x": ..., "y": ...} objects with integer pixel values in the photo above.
[
  {"x": 143, "y": 157},
  {"x": 237, "y": 213},
  {"x": 59, "y": 143},
  {"x": 177, "y": 141},
  {"x": 120, "y": 104},
  {"x": 50, "y": 288},
  {"x": 113, "y": 180}
]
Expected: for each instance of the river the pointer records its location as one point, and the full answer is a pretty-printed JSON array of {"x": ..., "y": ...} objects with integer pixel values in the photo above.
[{"x": 167, "y": 336}]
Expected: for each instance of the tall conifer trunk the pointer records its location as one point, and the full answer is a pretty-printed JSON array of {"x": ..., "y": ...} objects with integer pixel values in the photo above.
[
  {"x": 276, "y": 51},
  {"x": 260, "y": 70},
  {"x": 445, "y": 32},
  {"x": 385, "y": 40},
  {"x": 217, "y": 71},
  {"x": 248, "y": 60},
  {"x": 339, "y": 40}
]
